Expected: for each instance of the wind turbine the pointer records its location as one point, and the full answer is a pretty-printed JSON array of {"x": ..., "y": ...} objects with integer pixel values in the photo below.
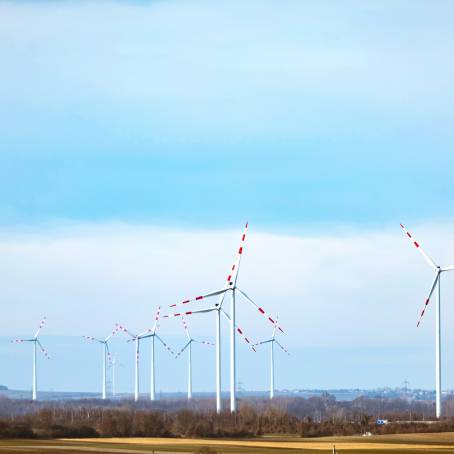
[
  {"x": 136, "y": 338},
  {"x": 105, "y": 354},
  {"x": 435, "y": 285},
  {"x": 231, "y": 287},
  {"x": 35, "y": 342},
  {"x": 272, "y": 341},
  {"x": 113, "y": 365},
  {"x": 188, "y": 346}
]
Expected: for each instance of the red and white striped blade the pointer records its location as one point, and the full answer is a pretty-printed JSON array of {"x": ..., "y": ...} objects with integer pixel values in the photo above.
[
  {"x": 114, "y": 331},
  {"x": 156, "y": 319},
  {"x": 240, "y": 331},
  {"x": 418, "y": 246},
  {"x": 43, "y": 350},
  {"x": 426, "y": 303},
  {"x": 282, "y": 347},
  {"x": 19, "y": 341},
  {"x": 182, "y": 314},
  {"x": 89, "y": 338},
  {"x": 263, "y": 342},
  {"x": 199, "y": 298},
  {"x": 166, "y": 346},
  {"x": 261, "y": 310},
  {"x": 185, "y": 326},
  {"x": 233, "y": 274},
  {"x": 183, "y": 349},
  {"x": 41, "y": 324},
  {"x": 123, "y": 329},
  {"x": 204, "y": 342}
]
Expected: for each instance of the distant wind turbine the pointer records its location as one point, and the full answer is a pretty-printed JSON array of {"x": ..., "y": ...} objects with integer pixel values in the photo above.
[
  {"x": 435, "y": 285},
  {"x": 188, "y": 346},
  {"x": 272, "y": 341},
  {"x": 35, "y": 342},
  {"x": 136, "y": 338},
  {"x": 105, "y": 355}
]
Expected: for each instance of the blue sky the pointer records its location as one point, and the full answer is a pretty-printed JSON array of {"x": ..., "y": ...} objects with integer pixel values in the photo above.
[{"x": 131, "y": 130}]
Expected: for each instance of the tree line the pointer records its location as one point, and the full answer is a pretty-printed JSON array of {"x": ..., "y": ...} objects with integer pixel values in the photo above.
[{"x": 311, "y": 417}]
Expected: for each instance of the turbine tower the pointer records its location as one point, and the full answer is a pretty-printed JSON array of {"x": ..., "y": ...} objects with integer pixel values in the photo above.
[
  {"x": 113, "y": 365},
  {"x": 272, "y": 341},
  {"x": 435, "y": 286},
  {"x": 136, "y": 338},
  {"x": 188, "y": 346},
  {"x": 36, "y": 343},
  {"x": 105, "y": 355},
  {"x": 229, "y": 287}
]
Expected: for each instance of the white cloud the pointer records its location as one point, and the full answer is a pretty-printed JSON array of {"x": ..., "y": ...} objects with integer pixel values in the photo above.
[{"x": 335, "y": 288}]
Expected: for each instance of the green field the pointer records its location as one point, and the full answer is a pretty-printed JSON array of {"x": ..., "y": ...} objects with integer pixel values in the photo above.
[{"x": 408, "y": 443}]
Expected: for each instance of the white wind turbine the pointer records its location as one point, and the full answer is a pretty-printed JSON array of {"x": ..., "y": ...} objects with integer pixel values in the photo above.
[
  {"x": 188, "y": 346},
  {"x": 272, "y": 341},
  {"x": 105, "y": 355},
  {"x": 136, "y": 338},
  {"x": 435, "y": 285},
  {"x": 35, "y": 342},
  {"x": 113, "y": 366},
  {"x": 229, "y": 287}
]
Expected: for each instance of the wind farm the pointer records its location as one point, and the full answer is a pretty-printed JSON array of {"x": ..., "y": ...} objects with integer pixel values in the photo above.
[{"x": 209, "y": 213}]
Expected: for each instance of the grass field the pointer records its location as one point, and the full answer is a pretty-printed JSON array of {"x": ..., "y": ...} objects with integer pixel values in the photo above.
[{"x": 407, "y": 443}]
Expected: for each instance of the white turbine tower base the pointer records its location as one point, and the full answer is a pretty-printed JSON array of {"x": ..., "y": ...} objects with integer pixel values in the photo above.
[{"x": 435, "y": 286}]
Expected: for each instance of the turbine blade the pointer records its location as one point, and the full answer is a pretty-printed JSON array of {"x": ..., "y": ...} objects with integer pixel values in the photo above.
[
  {"x": 182, "y": 350},
  {"x": 261, "y": 310},
  {"x": 240, "y": 331},
  {"x": 263, "y": 342},
  {"x": 448, "y": 268},
  {"x": 41, "y": 324},
  {"x": 283, "y": 348},
  {"x": 204, "y": 342},
  {"x": 185, "y": 326},
  {"x": 200, "y": 297},
  {"x": 20, "y": 341},
  {"x": 233, "y": 275},
  {"x": 167, "y": 347},
  {"x": 181, "y": 314},
  {"x": 274, "y": 327},
  {"x": 418, "y": 246},
  {"x": 43, "y": 350},
  {"x": 124, "y": 330},
  {"x": 432, "y": 288},
  {"x": 114, "y": 331},
  {"x": 156, "y": 319}
]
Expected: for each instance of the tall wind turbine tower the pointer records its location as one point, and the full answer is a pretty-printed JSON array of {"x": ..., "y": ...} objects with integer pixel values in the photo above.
[
  {"x": 105, "y": 355},
  {"x": 272, "y": 341},
  {"x": 36, "y": 343},
  {"x": 435, "y": 286},
  {"x": 188, "y": 346}
]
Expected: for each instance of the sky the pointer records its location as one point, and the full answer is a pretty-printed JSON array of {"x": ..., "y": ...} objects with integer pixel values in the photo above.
[{"x": 137, "y": 137}]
